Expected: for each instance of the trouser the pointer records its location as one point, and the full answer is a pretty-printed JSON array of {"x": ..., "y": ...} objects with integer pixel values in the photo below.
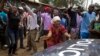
[
  {"x": 74, "y": 33},
  {"x": 45, "y": 32},
  {"x": 13, "y": 37},
  {"x": 31, "y": 40},
  {"x": 21, "y": 36},
  {"x": 24, "y": 31},
  {"x": 41, "y": 30},
  {"x": 84, "y": 35},
  {"x": 2, "y": 38}
]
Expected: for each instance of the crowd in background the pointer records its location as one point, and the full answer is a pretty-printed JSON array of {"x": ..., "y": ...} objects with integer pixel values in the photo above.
[{"x": 52, "y": 25}]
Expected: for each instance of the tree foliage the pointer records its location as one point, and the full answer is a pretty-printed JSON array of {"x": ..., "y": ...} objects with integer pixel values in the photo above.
[
  {"x": 78, "y": 2},
  {"x": 64, "y": 3},
  {"x": 45, "y": 1},
  {"x": 97, "y": 6}
]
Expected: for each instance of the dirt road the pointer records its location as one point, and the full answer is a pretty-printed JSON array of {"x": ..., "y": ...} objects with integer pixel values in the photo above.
[{"x": 23, "y": 52}]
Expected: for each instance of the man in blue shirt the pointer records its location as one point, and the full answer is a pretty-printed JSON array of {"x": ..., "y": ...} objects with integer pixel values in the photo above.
[
  {"x": 4, "y": 16},
  {"x": 64, "y": 21},
  {"x": 88, "y": 17},
  {"x": 3, "y": 22}
]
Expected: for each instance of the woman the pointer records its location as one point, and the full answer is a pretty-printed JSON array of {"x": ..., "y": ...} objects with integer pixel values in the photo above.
[
  {"x": 56, "y": 32},
  {"x": 95, "y": 27}
]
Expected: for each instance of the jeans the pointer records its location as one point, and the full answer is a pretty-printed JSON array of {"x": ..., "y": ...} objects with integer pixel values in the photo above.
[
  {"x": 2, "y": 38},
  {"x": 25, "y": 30},
  {"x": 84, "y": 35},
  {"x": 13, "y": 38},
  {"x": 21, "y": 36}
]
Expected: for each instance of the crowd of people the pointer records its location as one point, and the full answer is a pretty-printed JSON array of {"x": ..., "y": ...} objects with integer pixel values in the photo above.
[{"x": 52, "y": 25}]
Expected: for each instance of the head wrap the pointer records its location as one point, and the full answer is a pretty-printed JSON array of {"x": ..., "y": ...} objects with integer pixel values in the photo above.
[
  {"x": 48, "y": 9},
  {"x": 20, "y": 8},
  {"x": 56, "y": 18}
]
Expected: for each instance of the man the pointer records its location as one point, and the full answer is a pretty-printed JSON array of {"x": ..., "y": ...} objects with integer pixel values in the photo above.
[
  {"x": 95, "y": 27},
  {"x": 55, "y": 12},
  {"x": 88, "y": 17},
  {"x": 46, "y": 20},
  {"x": 21, "y": 27},
  {"x": 12, "y": 29},
  {"x": 3, "y": 19},
  {"x": 75, "y": 30},
  {"x": 72, "y": 19},
  {"x": 79, "y": 21},
  {"x": 32, "y": 27},
  {"x": 2, "y": 33}
]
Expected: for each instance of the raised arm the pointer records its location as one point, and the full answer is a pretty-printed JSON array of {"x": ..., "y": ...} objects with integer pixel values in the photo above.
[
  {"x": 10, "y": 5},
  {"x": 28, "y": 9}
]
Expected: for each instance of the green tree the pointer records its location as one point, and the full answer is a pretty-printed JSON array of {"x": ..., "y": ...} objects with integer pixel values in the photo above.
[
  {"x": 45, "y": 1},
  {"x": 64, "y": 3},
  {"x": 57, "y": 3},
  {"x": 97, "y": 6},
  {"x": 2, "y": 3},
  {"x": 77, "y": 2},
  {"x": 60, "y": 3}
]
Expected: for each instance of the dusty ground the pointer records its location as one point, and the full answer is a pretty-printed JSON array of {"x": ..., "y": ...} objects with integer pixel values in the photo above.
[{"x": 23, "y": 52}]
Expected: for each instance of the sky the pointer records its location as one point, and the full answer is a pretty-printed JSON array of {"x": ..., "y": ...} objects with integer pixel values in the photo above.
[
  {"x": 96, "y": 1},
  {"x": 90, "y": 2}
]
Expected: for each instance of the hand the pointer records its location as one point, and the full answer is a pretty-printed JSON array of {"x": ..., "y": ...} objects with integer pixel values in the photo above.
[
  {"x": 44, "y": 37},
  {"x": 8, "y": 3},
  {"x": 23, "y": 4},
  {"x": 69, "y": 37}
]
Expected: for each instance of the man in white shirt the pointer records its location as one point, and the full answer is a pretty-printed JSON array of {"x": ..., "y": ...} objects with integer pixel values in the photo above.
[{"x": 32, "y": 27}]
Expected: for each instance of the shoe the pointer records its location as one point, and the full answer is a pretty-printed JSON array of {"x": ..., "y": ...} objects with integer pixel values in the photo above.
[
  {"x": 6, "y": 46},
  {"x": 10, "y": 55},
  {"x": 15, "y": 53},
  {"x": 29, "y": 49}
]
